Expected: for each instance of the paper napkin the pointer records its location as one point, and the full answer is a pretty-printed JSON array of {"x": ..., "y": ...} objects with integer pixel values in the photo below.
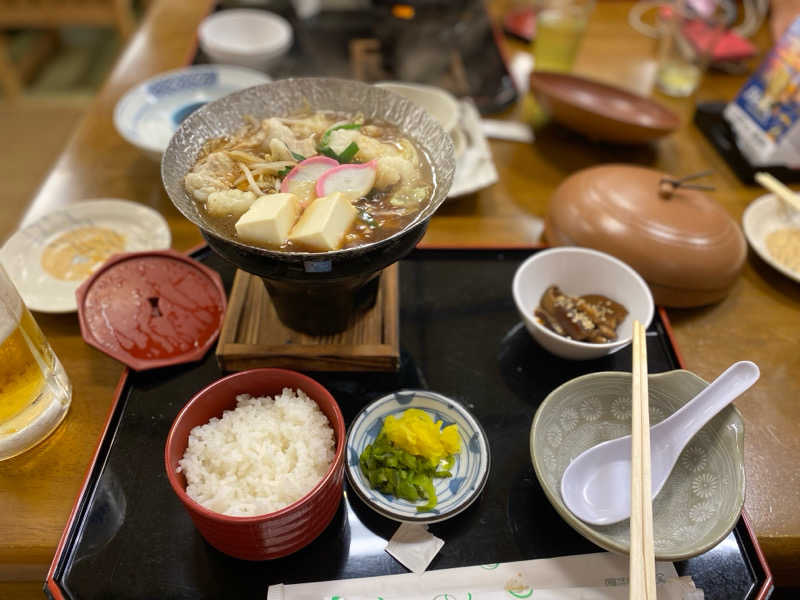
[
  {"x": 414, "y": 546},
  {"x": 475, "y": 168}
]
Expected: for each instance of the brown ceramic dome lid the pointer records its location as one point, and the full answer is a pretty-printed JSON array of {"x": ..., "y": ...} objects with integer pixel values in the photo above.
[{"x": 683, "y": 240}]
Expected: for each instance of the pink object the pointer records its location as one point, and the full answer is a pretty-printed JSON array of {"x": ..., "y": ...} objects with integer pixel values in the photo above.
[
  {"x": 352, "y": 179},
  {"x": 151, "y": 309},
  {"x": 311, "y": 169},
  {"x": 274, "y": 534},
  {"x": 722, "y": 45}
]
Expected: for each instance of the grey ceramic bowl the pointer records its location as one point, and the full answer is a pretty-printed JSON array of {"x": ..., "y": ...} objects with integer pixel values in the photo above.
[
  {"x": 703, "y": 497},
  {"x": 314, "y": 292}
]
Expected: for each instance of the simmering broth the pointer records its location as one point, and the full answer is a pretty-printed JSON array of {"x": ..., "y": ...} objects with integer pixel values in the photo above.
[{"x": 314, "y": 182}]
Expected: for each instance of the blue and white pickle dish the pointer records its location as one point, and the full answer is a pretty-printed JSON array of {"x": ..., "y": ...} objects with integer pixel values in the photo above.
[
  {"x": 149, "y": 113},
  {"x": 469, "y": 472}
]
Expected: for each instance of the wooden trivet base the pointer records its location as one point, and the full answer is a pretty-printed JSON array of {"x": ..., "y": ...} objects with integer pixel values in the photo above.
[{"x": 253, "y": 336}]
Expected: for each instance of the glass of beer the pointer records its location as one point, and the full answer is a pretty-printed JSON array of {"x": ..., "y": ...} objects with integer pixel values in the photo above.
[{"x": 35, "y": 392}]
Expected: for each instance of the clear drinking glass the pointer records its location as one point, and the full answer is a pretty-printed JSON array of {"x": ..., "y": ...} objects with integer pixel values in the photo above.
[
  {"x": 35, "y": 392},
  {"x": 560, "y": 25},
  {"x": 688, "y": 33}
]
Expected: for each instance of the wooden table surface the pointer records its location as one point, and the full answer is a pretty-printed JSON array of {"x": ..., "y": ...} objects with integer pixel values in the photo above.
[{"x": 759, "y": 320}]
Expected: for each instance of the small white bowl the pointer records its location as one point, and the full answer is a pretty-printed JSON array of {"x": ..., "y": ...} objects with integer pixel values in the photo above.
[
  {"x": 149, "y": 113},
  {"x": 247, "y": 37},
  {"x": 440, "y": 104},
  {"x": 579, "y": 271}
]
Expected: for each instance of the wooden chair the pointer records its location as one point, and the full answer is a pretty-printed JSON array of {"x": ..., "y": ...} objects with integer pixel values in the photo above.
[{"x": 51, "y": 14}]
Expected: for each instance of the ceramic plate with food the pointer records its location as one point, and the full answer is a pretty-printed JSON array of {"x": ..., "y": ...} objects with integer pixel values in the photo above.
[
  {"x": 463, "y": 473},
  {"x": 50, "y": 258},
  {"x": 773, "y": 231},
  {"x": 302, "y": 167}
]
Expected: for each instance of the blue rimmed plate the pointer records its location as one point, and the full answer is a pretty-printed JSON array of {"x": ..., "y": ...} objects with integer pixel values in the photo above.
[
  {"x": 470, "y": 471},
  {"x": 149, "y": 113}
]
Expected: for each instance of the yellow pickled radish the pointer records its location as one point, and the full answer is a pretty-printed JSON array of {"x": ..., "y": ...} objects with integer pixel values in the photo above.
[{"x": 416, "y": 433}]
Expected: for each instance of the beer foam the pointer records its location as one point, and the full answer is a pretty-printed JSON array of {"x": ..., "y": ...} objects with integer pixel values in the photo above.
[
  {"x": 10, "y": 307},
  {"x": 44, "y": 423},
  {"x": 34, "y": 432}
]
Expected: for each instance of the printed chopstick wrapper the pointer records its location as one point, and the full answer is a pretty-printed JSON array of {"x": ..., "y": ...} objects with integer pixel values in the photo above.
[
  {"x": 585, "y": 576},
  {"x": 672, "y": 589}
]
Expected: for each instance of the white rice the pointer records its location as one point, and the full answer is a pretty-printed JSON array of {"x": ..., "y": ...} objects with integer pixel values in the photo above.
[{"x": 260, "y": 457}]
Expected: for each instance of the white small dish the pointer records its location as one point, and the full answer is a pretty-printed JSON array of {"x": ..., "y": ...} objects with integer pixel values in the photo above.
[
  {"x": 439, "y": 103},
  {"x": 454, "y": 494},
  {"x": 578, "y": 271},
  {"x": 247, "y": 37},
  {"x": 763, "y": 216},
  {"x": 49, "y": 259},
  {"x": 149, "y": 113}
]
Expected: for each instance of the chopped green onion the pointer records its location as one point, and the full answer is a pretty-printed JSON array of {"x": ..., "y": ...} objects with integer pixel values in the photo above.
[
  {"x": 297, "y": 157},
  {"x": 348, "y": 153},
  {"x": 326, "y": 137},
  {"x": 328, "y": 152}
]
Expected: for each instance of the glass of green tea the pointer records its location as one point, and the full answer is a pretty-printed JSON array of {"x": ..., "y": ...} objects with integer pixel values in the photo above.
[
  {"x": 560, "y": 25},
  {"x": 35, "y": 392}
]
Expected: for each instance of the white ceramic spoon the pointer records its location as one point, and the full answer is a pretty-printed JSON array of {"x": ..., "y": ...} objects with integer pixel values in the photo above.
[{"x": 595, "y": 486}]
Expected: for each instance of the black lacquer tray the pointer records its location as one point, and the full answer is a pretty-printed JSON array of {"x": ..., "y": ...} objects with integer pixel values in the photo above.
[
  {"x": 129, "y": 536},
  {"x": 709, "y": 119}
]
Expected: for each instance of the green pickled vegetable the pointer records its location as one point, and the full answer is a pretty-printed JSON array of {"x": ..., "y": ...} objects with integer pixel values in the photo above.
[{"x": 394, "y": 471}]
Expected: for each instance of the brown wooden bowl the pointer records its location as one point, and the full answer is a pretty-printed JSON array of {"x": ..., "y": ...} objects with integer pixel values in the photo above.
[{"x": 602, "y": 112}]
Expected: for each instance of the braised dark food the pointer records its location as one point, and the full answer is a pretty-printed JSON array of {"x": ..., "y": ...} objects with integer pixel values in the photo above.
[{"x": 590, "y": 318}]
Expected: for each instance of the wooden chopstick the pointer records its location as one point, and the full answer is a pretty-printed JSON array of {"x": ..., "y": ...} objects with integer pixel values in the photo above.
[
  {"x": 769, "y": 182},
  {"x": 642, "y": 569}
]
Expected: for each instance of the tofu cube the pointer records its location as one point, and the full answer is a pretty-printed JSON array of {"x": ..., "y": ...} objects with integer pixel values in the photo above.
[
  {"x": 269, "y": 220},
  {"x": 324, "y": 223}
]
